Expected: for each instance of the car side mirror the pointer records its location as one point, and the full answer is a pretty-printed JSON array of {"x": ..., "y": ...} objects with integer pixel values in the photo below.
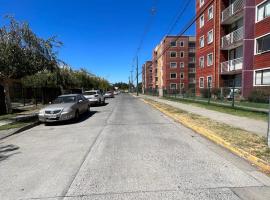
[
  {"x": 50, "y": 102},
  {"x": 80, "y": 101}
]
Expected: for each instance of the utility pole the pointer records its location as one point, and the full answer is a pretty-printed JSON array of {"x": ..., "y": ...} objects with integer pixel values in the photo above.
[
  {"x": 137, "y": 75},
  {"x": 131, "y": 80},
  {"x": 129, "y": 84}
]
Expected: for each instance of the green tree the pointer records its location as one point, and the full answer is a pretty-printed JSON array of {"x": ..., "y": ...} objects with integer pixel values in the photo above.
[{"x": 23, "y": 53}]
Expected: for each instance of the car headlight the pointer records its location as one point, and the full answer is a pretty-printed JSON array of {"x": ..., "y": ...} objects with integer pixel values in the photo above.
[{"x": 41, "y": 112}]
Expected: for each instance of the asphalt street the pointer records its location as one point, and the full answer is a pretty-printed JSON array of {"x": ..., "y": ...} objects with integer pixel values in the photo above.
[{"x": 124, "y": 150}]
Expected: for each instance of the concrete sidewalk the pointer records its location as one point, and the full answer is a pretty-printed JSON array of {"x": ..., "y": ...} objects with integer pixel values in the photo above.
[{"x": 251, "y": 125}]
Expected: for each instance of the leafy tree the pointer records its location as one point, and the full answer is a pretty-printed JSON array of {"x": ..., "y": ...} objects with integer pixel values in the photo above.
[
  {"x": 121, "y": 85},
  {"x": 23, "y": 53}
]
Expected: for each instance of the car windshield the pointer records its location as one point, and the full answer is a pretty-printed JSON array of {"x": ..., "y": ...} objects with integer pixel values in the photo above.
[
  {"x": 65, "y": 99},
  {"x": 89, "y": 93}
]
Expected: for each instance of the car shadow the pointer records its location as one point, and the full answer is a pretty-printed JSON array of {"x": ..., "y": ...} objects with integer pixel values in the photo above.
[
  {"x": 99, "y": 105},
  {"x": 82, "y": 118},
  {"x": 7, "y": 151}
]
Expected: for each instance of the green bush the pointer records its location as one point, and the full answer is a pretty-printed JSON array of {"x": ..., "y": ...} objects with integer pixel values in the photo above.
[{"x": 260, "y": 95}]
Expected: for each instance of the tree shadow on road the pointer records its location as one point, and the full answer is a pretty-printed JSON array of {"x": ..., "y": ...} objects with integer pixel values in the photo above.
[{"x": 8, "y": 150}]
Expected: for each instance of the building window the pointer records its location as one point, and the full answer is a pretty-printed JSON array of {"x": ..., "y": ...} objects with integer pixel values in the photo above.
[
  {"x": 173, "y": 86},
  {"x": 182, "y": 85},
  {"x": 173, "y": 54},
  {"x": 173, "y": 75},
  {"x": 182, "y": 65},
  {"x": 201, "y": 3},
  {"x": 201, "y": 21},
  {"x": 209, "y": 81},
  {"x": 173, "y": 65},
  {"x": 201, "y": 41},
  {"x": 201, "y": 82},
  {"x": 262, "y": 77},
  {"x": 181, "y": 54},
  {"x": 182, "y": 44},
  {"x": 173, "y": 44},
  {"x": 210, "y": 13},
  {"x": 209, "y": 59},
  {"x": 210, "y": 37},
  {"x": 201, "y": 62},
  {"x": 263, "y": 44},
  {"x": 263, "y": 11},
  {"x": 181, "y": 75}
]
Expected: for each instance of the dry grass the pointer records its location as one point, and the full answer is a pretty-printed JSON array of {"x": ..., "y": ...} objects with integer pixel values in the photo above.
[{"x": 244, "y": 140}]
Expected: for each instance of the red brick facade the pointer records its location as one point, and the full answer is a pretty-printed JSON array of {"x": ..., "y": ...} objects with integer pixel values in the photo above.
[
  {"x": 147, "y": 76},
  {"x": 235, "y": 32}
]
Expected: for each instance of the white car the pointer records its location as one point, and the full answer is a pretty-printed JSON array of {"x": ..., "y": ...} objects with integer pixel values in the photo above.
[{"x": 95, "y": 97}]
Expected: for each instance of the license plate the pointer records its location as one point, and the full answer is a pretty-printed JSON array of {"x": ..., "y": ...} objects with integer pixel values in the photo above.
[{"x": 51, "y": 116}]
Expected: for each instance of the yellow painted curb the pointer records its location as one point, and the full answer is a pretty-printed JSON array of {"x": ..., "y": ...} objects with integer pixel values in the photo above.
[{"x": 215, "y": 138}]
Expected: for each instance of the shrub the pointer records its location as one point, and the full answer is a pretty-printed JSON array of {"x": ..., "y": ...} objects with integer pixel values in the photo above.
[
  {"x": 259, "y": 95},
  {"x": 204, "y": 92},
  {"x": 216, "y": 92}
]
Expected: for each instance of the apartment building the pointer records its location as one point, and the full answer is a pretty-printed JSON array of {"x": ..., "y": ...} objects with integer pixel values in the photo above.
[
  {"x": 173, "y": 64},
  {"x": 147, "y": 76},
  {"x": 232, "y": 44}
]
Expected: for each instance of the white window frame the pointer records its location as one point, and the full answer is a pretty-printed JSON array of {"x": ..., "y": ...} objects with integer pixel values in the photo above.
[
  {"x": 209, "y": 42},
  {"x": 182, "y": 63},
  {"x": 254, "y": 77},
  {"x": 201, "y": 2},
  {"x": 211, "y": 7},
  {"x": 182, "y": 42},
  {"x": 175, "y": 44},
  {"x": 173, "y": 52},
  {"x": 182, "y": 73},
  {"x": 211, "y": 81},
  {"x": 175, "y": 65},
  {"x": 202, "y": 37},
  {"x": 182, "y": 85},
  {"x": 257, "y": 6},
  {"x": 202, "y": 57},
  {"x": 183, "y": 54},
  {"x": 255, "y": 44},
  {"x": 173, "y": 84},
  {"x": 201, "y": 24},
  {"x": 208, "y": 59},
  {"x": 171, "y": 75},
  {"x": 200, "y": 82}
]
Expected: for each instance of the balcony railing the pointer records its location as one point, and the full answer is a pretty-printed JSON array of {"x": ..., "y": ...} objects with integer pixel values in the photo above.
[
  {"x": 191, "y": 60},
  {"x": 192, "y": 49},
  {"x": 232, "y": 9},
  {"x": 232, "y": 38},
  {"x": 191, "y": 80},
  {"x": 191, "y": 70},
  {"x": 232, "y": 65}
]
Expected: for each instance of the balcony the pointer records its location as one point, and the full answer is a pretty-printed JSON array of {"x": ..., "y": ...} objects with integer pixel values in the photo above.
[
  {"x": 232, "y": 40},
  {"x": 191, "y": 49},
  {"x": 191, "y": 70},
  {"x": 232, "y": 66},
  {"x": 192, "y": 80},
  {"x": 191, "y": 60},
  {"x": 233, "y": 12}
]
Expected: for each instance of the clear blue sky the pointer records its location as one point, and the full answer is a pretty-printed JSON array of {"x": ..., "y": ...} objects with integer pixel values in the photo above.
[{"x": 100, "y": 35}]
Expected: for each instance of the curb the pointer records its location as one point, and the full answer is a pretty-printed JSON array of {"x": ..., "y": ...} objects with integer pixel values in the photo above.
[
  {"x": 216, "y": 139},
  {"x": 24, "y": 128}
]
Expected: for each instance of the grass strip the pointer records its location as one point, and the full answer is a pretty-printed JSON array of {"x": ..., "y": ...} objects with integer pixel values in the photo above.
[
  {"x": 246, "y": 141},
  {"x": 13, "y": 125},
  {"x": 224, "y": 109}
]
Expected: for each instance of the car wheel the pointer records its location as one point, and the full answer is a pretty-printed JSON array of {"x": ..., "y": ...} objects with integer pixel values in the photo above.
[
  {"x": 103, "y": 101},
  {"x": 88, "y": 109}
]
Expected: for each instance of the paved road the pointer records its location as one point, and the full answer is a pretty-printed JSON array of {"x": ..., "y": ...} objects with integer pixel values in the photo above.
[
  {"x": 124, "y": 150},
  {"x": 252, "y": 125}
]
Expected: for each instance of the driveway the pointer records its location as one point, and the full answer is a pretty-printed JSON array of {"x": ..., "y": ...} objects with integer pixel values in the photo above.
[{"x": 124, "y": 150}]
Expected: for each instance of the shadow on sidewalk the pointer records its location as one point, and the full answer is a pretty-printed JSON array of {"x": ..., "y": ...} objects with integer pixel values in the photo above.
[{"x": 8, "y": 150}]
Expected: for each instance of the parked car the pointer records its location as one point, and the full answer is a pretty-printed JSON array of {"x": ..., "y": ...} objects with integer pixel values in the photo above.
[
  {"x": 64, "y": 107},
  {"x": 95, "y": 97},
  {"x": 109, "y": 94},
  {"x": 234, "y": 94}
]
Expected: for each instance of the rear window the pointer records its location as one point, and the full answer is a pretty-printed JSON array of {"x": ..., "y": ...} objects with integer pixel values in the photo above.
[{"x": 89, "y": 93}]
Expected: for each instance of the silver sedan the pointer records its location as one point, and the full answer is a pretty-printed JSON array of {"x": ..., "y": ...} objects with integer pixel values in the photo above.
[{"x": 65, "y": 107}]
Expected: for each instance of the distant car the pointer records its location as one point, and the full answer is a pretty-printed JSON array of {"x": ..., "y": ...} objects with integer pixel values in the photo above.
[
  {"x": 109, "y": 94},
  {"x": 64, "y": 107},
  {"x": 232, "y": 94},
  {"x": 116, "y": 92},
  {"x": 95, "y": 97}
]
